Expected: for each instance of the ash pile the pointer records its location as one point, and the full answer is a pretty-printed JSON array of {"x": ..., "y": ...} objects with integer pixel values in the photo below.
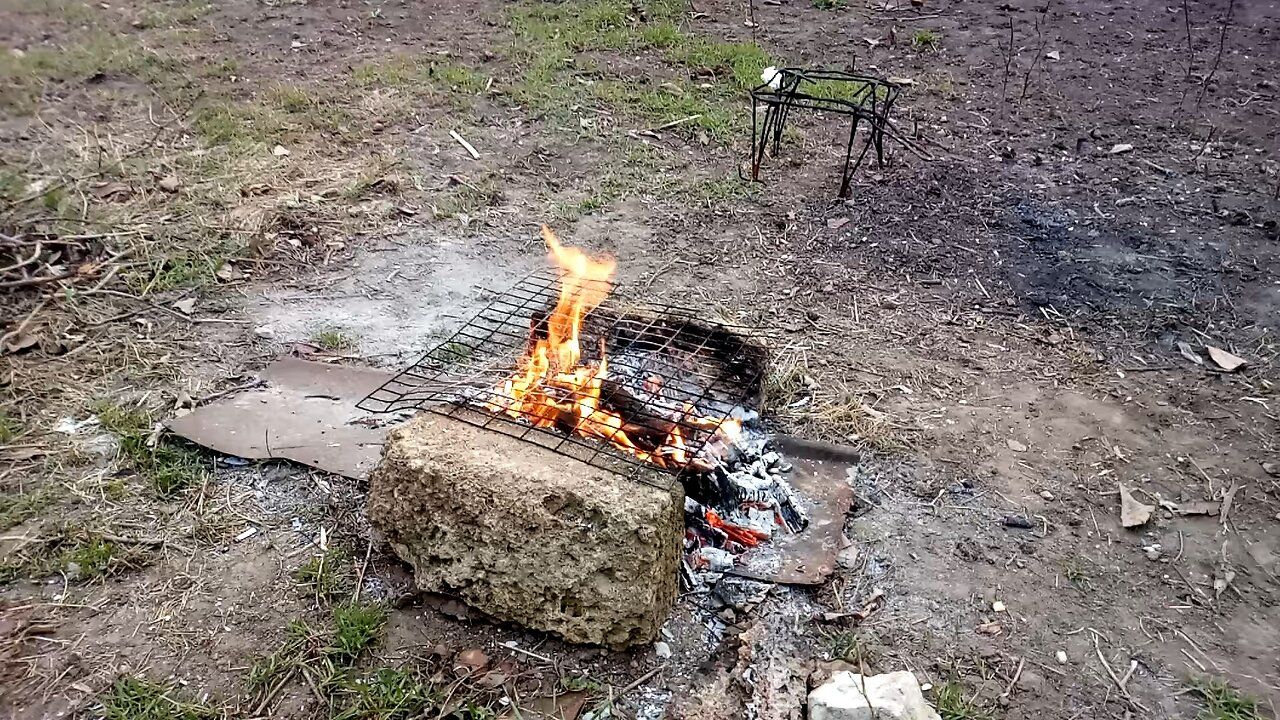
[{"x": 738, "y": 504}]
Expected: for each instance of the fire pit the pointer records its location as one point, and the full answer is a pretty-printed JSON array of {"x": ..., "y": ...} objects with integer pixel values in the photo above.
[
  {"x": 664, "y": 402},
  {"x": 649, "y": 391}
]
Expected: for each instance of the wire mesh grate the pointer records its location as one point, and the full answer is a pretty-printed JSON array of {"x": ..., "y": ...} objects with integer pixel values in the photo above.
[{"x": 653, "y": 385}]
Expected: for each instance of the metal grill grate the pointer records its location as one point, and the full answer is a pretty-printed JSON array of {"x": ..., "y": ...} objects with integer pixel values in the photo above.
[{"x": 671, "y": 377}]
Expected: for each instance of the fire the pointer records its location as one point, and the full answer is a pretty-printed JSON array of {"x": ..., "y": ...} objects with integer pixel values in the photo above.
[{"x": 553, "y": 388}]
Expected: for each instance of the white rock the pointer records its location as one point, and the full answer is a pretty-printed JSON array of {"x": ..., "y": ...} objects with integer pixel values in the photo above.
[
  {"x": 1062, "y": 657},
  {"x": 891, "y": 696},
  {"x": 266, "y": 332},
  {"x": 662, "y": 650},
  {"x": 997, "y": 606}
]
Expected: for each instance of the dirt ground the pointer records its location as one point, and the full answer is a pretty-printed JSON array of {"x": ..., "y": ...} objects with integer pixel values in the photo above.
[{"x": 1011, "y": 318}]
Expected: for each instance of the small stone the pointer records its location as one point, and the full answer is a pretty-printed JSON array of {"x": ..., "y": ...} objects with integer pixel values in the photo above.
[
  {"x": 169, "y": 183},
  {"x": 1030, "y": 681},
  {"x": 998, "y": 606},
  {"x": 813, "y": 315},
  {"x": 891, "y": 696},
  {"x": 1046, "y": 495},
  {"x": 728, "y": 616},
  {"x": 1271, "y": 469},
  {"x": 185, "y": 306},
  {"x": 279, "y": 151},
  {"x": 1015, "y": 446},
  {"x": 662, "y": 650},
  {"x": 472, "y": 659},
  {"x": 1152, "y": 552},
  {"x": 1119, "y": 148},
  {"x": 266, "y": 332},
  {"x": 1062, "y": 657},
  {"x": 1018, "y": 521}
]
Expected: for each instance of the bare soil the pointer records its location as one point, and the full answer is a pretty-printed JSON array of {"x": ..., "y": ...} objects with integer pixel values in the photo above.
[{"x": 998, "y": 327}]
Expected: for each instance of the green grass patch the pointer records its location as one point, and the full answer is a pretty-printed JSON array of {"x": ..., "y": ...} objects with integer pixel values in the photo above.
[
  {"x": 926, "y": 40},
  {"x": 333, "y": 340},
  {"x": 552, "y": 42},
  {"x": 581, "y": 683},
  {"x": 168, "y": 468},
  {"x": 226, "y": 122},
  {"x": 356, "y": 628},
  {"x": 386, "y": 694},
  {"x": 10, "y": 427},
  {"x": 422, "y": 75},
  {"x": 953, "y": 704},
  {"x": 18, "y": 507},
  {"x": 829, "y": 4},
  {"x": 713, "y": 191},
  {"x": 1224, "y": 702},
  {"x": 24, "y": 77},
  {"x": 325, "y": 576},
  {"x": 466, "y": 199},
  {"x": 135, "y": 698},
  {"x": 182, "y": 269}
]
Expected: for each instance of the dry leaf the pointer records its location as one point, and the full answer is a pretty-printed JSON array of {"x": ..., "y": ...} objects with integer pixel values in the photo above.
[
  {"x": 1132, "y": 512},
  {"x": 1188, "y": 353},
  {"x": 1224, "y": 359}
]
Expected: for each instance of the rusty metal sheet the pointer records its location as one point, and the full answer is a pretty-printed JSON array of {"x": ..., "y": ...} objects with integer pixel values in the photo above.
[
  {"x": 305, "y": 412},
  {"x": 821, "y": 479}
]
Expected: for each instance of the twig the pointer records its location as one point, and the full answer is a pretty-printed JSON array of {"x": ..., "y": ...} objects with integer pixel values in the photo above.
[
  {"x": 1191, "y": 53},
  {"x": 1008, "y": 64},
  {"x": 674, "y": 123},
  {"x": 22, "y": 326},
  {"x": 1227, "y": 497},
  {"x": 454, "y": 134},
  {"x": 228, "y": 391},
  {"x": 1041, "y": 19},
  {"x": 1222, "y": 43},
  {"x": 1111, "y": 673},
  {"x": 640, "y": 681},
  {"x": 1017, "y": 674},
  {"x": 355, "y": 597},
  {"x": 35, "y": 255}
]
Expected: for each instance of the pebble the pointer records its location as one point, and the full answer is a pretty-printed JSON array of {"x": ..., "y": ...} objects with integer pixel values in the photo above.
[
  {"x": 1062, "y": 657},
  {"x": 1046, "y": 495},
  {"x": 662, "y": 650},
  {"x": 998, "y": 606}
]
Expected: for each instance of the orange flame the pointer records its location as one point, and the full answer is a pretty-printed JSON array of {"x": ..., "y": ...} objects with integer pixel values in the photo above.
[{"x": 553, "y": 388}]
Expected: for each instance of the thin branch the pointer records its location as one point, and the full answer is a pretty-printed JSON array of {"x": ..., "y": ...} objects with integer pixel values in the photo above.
[{"x": 1222, "y": 44}]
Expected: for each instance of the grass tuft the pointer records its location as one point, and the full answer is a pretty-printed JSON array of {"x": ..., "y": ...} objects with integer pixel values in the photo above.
[
  {"x": 926, "y": 40},
  {"x": 356, "y": 628},
  {"x": 168, "y": 468},
  {"x": 10, "y": 428},
  {"x": 387, "y": 694},
  {"x": 333, "y": 340},
  {"x": 953, "y": 705},
  {"x": 135, "y": 698},
  {"x": 19, "y": 507},
  {"x": 829, "y": 4},
  {"x": 325, "y": 576},
  {"x": 1223, "y": 702}
]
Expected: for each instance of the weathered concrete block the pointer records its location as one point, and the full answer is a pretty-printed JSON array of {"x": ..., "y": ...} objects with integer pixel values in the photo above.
[{"x": 527, "y": 535}]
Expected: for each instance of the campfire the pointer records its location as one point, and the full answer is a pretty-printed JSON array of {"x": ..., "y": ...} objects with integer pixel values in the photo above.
[{"x": 654, "y": 388}]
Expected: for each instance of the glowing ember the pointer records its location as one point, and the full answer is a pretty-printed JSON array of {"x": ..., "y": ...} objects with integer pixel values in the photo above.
[{"x": 553, "y": 388}]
